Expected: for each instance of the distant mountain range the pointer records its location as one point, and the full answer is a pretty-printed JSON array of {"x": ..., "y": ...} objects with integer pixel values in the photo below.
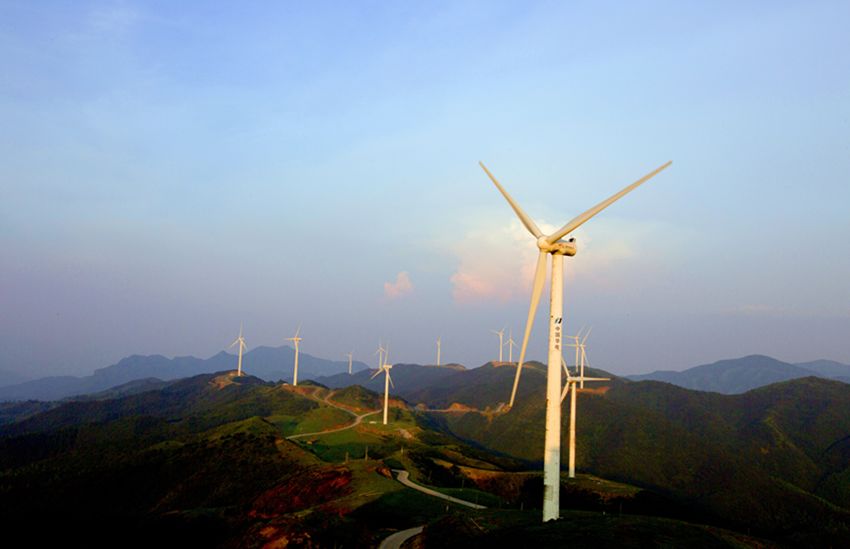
[
  {"x": 268, "y": 363},
  {"x": 740, "y": 375},
  {"x": 407, "y": 378},
  {"x": 415, "y": 383}
]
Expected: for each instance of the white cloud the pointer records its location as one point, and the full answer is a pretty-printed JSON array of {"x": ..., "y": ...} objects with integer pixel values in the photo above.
[
  {"x": 497, "y": 262},
  {"x": 401, "y": 287}
]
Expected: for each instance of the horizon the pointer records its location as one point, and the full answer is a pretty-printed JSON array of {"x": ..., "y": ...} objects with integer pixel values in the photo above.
[
  {"x": 369, "y": 367},
  {"x": 171, "y": 171}
]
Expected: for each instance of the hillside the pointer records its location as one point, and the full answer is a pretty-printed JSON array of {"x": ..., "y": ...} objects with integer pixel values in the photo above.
[
  {"x": 269, "y": 363},
  {"x": 226, "y": 461},
  {"x": 750, "y": 461},
  {"x": 740, "y": 375}
]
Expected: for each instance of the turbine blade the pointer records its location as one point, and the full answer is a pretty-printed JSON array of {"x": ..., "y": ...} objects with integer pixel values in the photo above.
[
  {"x": 578, "y": 221},
  {"x": 586, "y": 335},
  {"x": 566, "y": 391},
  {"x": 378, "y": 371},
  {"x": 527, "y": 221},
  {"x": 298, "y": 331},
  {"x": 391, "y": 379},
  {"x": 536, "y": 290},
  {"x": 235, "y": 341}
]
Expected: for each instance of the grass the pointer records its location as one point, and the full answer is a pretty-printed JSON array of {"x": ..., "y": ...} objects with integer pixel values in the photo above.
[
  {"x": 581, "y": 528},
  {"x": 471, "y": 494},
  {"x": 404, "y": 508},
  {"x": 324, "y": 417}
]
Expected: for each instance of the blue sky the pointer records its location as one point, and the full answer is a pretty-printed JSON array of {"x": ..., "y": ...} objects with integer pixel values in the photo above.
[{"x": 168, "y": 170}]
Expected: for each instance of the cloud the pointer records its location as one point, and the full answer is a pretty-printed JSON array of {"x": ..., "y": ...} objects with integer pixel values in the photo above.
[
  {"x": 497, "y": 262},
  {"x": 400, "y": 288}
]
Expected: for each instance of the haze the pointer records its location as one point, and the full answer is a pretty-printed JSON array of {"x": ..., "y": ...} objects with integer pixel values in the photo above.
[{"x": 168, "y": 171}]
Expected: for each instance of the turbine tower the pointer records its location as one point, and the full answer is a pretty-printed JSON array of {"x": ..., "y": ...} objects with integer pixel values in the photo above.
[
  {"x": 296, "y": 340},
  {"x": 349, "y": 362},
  {"x": 438, "y": 351},
  {"x": 387, "y": 382},
  {"x": 241, "y": 341},
  {"x": 557, "y": 248},
  {"x": 501, "y": 334}
]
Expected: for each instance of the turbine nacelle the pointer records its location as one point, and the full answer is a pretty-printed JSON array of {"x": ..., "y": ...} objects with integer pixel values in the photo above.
[{"x": 559, "y": 247}]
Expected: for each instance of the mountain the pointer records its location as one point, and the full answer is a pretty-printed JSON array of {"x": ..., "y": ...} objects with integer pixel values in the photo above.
[
  {"x": 752, "y": 460},
  {"x": 407, "y": 378},
  {"x": 206, "y": 460},
  {"x": 269, "y": 363},
  {"x": 11, "y": 378},
  {"x": 739, "y": 375},
  {"x": 827, "y": 368}
]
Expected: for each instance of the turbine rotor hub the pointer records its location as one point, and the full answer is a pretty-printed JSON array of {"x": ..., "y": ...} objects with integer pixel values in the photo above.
[{"x": 560, "y": 247}]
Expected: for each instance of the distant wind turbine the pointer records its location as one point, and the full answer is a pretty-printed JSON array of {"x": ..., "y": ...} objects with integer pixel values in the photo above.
[
  {"x": 349, "y": 362},
  {"x": 553, "y": 245},
  {"x": 578, "y": 344},
  {"x": 380, "y": 353},
  {"x": 511, "y": 344},
  {"x": 296, "y": 340},
  {"x": 501, "y": 334},
  {"x": 387, "y": 382},
  {"x": 438, "y": 351},
  {"x": 241, "y": 341}
]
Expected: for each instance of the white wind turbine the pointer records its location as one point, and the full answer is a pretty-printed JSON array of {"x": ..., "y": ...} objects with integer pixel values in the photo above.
[
  {"x": 387, "y": 382},
  {"x": 439, "y": 343},
  {"x": 573, "y": 385},
  {"x": 583, "y": 354},
  {"x": 350, "y": 358},
  {"x": 380, "y": 352},
  {"x": 501, "y": 334},
  {"x": 296, "y": 340},
  {"x": 578, "y": 344},
  {"x": 511, "y": 344},
  {"x": 241, "y": 341},
  {"x": 557, "y": 248}
]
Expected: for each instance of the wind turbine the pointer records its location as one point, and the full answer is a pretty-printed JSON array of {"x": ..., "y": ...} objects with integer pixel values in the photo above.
[
  {"x": 439, "y": 343},
  {"x": 241, "y": 341},
  {"x": 296, "y": 340},
  {"x": 387, "y": 382},
  {"x": 501, "y": 334},
  {"x": 557, "y": 248},
  {"x": 380, "y": 353},
  {"x": 349, "y": 362},
  {"x": 581, "y": 353},
  {"x": 511, "y": 344},
  {"x": 574, "y": 383}
]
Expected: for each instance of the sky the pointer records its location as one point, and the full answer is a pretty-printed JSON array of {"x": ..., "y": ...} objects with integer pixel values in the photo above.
[{"x": 169, "y": 170}]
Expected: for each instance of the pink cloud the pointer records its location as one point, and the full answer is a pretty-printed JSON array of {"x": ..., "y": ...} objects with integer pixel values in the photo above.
[{"x": 401, "y": 287}]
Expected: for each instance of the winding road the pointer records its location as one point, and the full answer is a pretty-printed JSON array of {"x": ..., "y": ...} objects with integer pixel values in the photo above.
[
  {"x": 393, "y": 541},
  {"x": 358, "y": 418},
  {"x": 404, "y": 478}
]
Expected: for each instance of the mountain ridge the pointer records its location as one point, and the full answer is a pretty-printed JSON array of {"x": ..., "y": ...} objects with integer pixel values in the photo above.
[
  {"x": 739, "y": 375},
  {"x": 268, "y": 363}
]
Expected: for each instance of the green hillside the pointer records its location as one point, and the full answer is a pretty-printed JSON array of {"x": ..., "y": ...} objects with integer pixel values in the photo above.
[
  {"x": 773, "y": 461},
  {"x": 219, "y": 460}
]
